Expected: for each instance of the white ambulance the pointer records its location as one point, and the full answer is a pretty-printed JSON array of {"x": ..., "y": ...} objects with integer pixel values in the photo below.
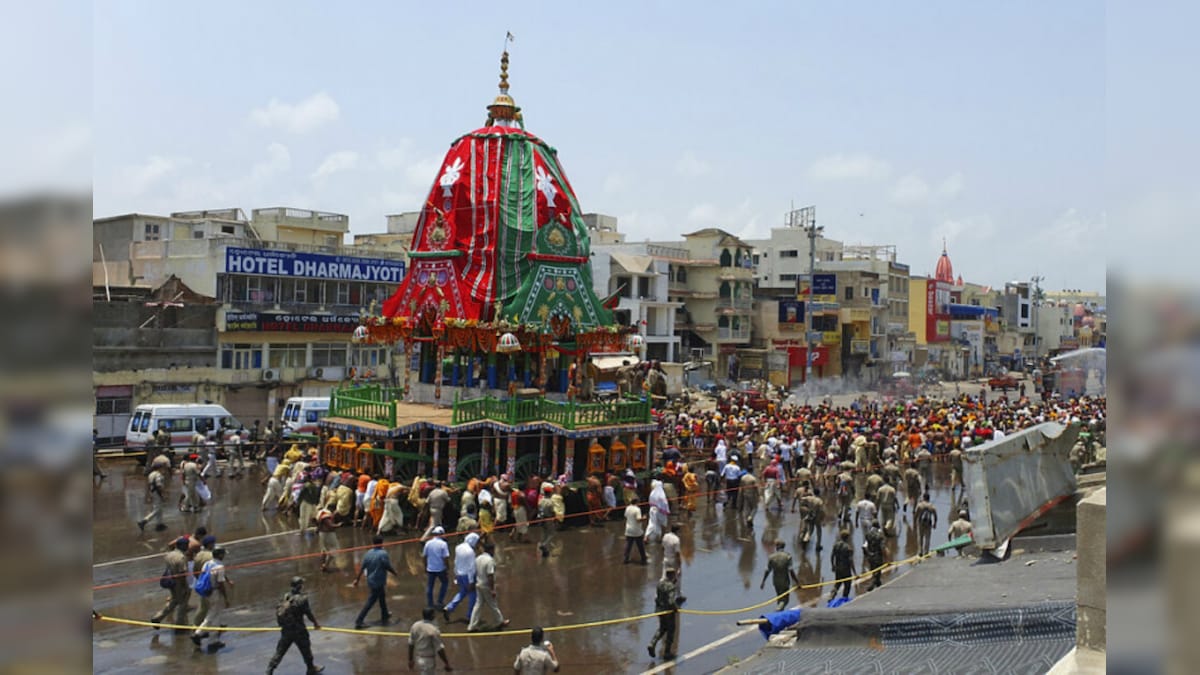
[
  {"x": 301, "y": 414},
  {"x": 181, "y": 420}
]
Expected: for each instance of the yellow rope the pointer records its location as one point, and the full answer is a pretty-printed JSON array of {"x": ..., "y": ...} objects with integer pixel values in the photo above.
[
  {"x": 523, "y": 631},
  {"x": 383, "y": 633}
]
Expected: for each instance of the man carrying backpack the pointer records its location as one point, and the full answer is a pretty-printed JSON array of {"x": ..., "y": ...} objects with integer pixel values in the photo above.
[
  {"x": 926, "y": 517},
  {"x": 211, "y": 586},
  {"x": 290, "y": 615}
]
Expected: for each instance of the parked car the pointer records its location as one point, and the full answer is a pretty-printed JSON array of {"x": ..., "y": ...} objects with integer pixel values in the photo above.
[{"x": 1003, "y": 382}]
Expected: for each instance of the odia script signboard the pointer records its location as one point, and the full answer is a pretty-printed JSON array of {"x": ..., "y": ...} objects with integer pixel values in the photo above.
[{"x": 1013, "y": 481}]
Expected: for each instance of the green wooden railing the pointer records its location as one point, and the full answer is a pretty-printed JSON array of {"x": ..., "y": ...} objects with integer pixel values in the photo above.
[
  {"x": 369, "y": 403},
  {"x": 377, "y": 404},
  {"x": 568, "y": 415}
]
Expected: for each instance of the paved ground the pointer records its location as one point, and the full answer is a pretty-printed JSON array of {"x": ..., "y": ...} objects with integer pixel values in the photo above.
[
  {"x": 583, "y": 580},
  {"x": 945, "y": 615}
]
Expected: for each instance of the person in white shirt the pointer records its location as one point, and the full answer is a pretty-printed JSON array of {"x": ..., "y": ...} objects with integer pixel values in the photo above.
[
  {"x": 464, "y": 576},
  {"x": 435, "y": 553},
  {"x": 672, "y": 558},
  {"x": 634, "y": 531},
  {"x": 864, "y": 512}
]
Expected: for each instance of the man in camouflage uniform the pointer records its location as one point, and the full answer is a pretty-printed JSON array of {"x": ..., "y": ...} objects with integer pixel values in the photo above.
[
  {"x": 666, "y": 599},
  {"x": 843, "y": 564},
  {"x": 873, "y": 553},
  {"x": 290, "y": 615}
]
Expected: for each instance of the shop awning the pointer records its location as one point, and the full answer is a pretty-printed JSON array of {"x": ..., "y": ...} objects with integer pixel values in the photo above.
[
  {"x": 634, "y": 264},
  {"x": 604, "y": 363}
]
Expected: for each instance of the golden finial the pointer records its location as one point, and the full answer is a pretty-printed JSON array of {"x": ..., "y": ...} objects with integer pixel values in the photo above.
[
  {"x": 503, "y": 109},
  {"x": 504, "y": 72}
]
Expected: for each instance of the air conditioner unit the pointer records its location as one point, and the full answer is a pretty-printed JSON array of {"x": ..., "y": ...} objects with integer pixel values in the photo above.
[
  {"x": 270, "y": 375},
  {"x": 327, "y": 373}
]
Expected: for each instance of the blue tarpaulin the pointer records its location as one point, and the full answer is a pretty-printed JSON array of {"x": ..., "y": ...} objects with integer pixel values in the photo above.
[
  {"x": 837, "y": 602},
  {"x": 777, "y": 621}
]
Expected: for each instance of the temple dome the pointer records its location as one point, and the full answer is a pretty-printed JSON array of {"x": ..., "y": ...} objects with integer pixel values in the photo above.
[
  {"x": 500, "y": 218},
  {"x": 945, "y": 270}
]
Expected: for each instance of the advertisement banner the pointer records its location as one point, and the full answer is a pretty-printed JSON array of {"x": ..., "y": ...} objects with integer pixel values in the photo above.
[
  {"x": 289, "y": 323},
  {"x": 791, "y": 311},
  {"x": 312, "y": 265},
  {"x": 933, "y": 333},
  {"x": 825, "y": 284}
]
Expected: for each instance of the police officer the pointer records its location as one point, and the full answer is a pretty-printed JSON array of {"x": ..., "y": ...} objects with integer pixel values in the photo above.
[
  {"x": 843, "y": 564},
  {"x": 873, "y": 548},
  {"x": 780, "y": 563},
  {"x": 666, "y": 599},
  {"x": 290, "y": 614}
]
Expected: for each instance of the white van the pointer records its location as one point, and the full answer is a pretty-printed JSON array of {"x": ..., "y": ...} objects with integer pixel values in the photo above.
[
  {"x": 182, "y": 421},
  {"x": 301, "y": 414}
]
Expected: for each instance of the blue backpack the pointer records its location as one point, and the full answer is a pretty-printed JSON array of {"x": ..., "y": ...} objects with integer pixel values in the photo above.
[{"x": 204, "y": 584}]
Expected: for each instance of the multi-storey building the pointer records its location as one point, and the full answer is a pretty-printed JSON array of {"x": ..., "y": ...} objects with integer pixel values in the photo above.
[
  {"x": 716, "y": 282},
  {"x": 640, "y": 276},
  {"x": 288, "y": 296}
]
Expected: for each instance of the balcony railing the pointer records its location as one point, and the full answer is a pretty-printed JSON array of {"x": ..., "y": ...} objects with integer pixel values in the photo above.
[
  {"x": 672, "y": 252},
  {"x": 731, "y": 334},
  {"x": 736, "y": 304}
]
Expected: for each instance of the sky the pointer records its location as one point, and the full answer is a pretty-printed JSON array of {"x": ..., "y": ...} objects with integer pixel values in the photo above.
[{"x": 981, "y": 125}]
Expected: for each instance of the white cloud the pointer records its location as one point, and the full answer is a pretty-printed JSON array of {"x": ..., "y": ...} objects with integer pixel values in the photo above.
[
  {"x": 422, "y": 172},
  {"x": 913, "y": 189},
  {"x": 1074, "y": 231},
  {"x": 615, "y": 182},
  {"x": 741, "y": 220},
  {"x": 703, "y": 214},
  {"x": 342, "y": 160},
  {"x": 849, "y": 167},
  {"x": 297, "y": 118},
  {"x": 136, "y": 180},
  {"x": 278, "y": 159},
  {"x": 975, "y": 228},
  {"x": 951, "y": 185},
  {"x": 691, "y": 165},
  {"x": 394, "y": 157}
]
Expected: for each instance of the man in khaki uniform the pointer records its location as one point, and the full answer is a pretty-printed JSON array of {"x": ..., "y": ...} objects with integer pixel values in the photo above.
[
  {"x": 537, "y": 657},
  {"x": 425, "y": 644},
  {"x": 925, "y": 516},
  {"x": 886, "y": 500},
  {"x": 180, "y": 592}
]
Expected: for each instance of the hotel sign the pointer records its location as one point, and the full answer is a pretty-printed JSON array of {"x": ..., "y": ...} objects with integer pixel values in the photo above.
[{"x": 267, "y": 262}]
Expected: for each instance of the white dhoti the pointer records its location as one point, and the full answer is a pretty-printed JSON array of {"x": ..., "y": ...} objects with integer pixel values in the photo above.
[{"x": 392, "y": 518}]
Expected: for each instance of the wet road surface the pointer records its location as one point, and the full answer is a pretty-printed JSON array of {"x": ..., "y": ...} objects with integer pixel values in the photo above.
[{"x": 583, "y": 580}]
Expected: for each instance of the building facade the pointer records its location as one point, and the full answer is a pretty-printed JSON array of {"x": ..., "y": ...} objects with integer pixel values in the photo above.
[{"x": 283, "y": 310}]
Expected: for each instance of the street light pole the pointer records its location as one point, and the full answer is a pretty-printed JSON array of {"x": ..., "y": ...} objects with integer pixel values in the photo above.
[
  {"x": 1036, "y": 280},
  {"x": 813, "y": 231}
]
